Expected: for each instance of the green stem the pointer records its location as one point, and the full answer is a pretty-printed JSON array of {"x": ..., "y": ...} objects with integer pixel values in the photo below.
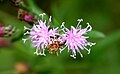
[{"x": 36, "y": 10}]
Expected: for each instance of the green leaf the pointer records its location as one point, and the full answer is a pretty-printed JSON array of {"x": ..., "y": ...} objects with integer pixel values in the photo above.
[
  {"x": 7, "y": 72},
  {"x": 101, "y": 46},
  {"x": 96, "y": 34},
  {"x": 7, "y": 60},
  {"x": 11, "y": 20}
]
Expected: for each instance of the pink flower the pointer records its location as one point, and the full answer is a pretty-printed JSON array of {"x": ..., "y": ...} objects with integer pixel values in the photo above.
[
  {"x": 75, "y": 39},
  {"x": 40, "y": 35}
]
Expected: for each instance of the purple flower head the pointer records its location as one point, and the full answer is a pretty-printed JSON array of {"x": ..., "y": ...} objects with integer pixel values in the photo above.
[
  {"x": 75, "y": 39},
  {"x": 40, "y": 35}
]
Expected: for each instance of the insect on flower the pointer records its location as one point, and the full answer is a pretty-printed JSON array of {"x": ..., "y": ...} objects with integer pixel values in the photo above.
[
  {"x": 55, "y": 44},
  {"x": 40, "y": 35},
  {"x": 75, "y": 39}
]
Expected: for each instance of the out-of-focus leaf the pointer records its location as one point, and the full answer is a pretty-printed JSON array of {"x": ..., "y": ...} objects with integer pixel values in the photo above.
[
  {"x": 17, "y": 37},
  {"x": 11, "y": 20},
  {"x": 7, "y": 72},
  {"x": 34, "y": 8},
  {"x": 110, "y": 39},
  {"x": 25, "y": 48},
  {"x": 49, "y": 64},
  {"x": 103, "y": 44},
  {"x": 6, "y": 60},
  {"x": 96, "y": 34}
]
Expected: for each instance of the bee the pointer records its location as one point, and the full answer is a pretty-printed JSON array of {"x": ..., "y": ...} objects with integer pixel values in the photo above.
[
  {"x": 17, "y": 3},
  {"x": 55, "y": 45},
  {"x": 8, "y": 31}
]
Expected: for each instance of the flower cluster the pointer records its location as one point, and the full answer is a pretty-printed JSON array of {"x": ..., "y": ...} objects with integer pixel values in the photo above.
[{"x": 42, "y": 37}]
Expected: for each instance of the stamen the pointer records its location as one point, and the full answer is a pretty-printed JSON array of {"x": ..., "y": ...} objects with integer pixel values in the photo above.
[
  {"x": 25, "y": 28},
  {"x": 45, "y": 22},
  {"x": 49, "y": 20},
  {"x": 62, "y": 49},
  {"x": 80, "y": 54},
  {"x": 24, "y": 40},
  {"x": 62, "y": 26},
  {"x": 42, "y": 16},
  {"x": 90, "y": 44},
  {"x": 34, "y": 26},
  {"x": 64, "y": 29},
  {"x": 88, "y": 50},
  {"x": 79, "y": 21},
  {"x": 36, "y": 52},
  {"x": 73, "y": 56},
  {"x": 26, "y": 33},
  {"x": 88, "y": 27},
  {"x": 43, "y": 53}
]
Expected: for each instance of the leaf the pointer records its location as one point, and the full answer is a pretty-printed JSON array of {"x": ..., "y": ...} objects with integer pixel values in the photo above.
[
  {"x": 7, "y": 72},
  {"x": 7, "y": 60},
  {"x": 11, "y": 20},
  {"x": 96, "y": 34},
  {"x": 101, "y": 46},
  {"x": 25, "y": 48}
]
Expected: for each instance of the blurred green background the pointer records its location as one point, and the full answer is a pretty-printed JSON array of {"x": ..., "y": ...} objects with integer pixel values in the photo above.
[{"x": 104, "y": 17}]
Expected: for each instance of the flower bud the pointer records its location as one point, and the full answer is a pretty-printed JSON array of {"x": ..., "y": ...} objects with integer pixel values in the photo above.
[
  {"x": 17, "y": 3},
  {"x": 24, "y": 15}
]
